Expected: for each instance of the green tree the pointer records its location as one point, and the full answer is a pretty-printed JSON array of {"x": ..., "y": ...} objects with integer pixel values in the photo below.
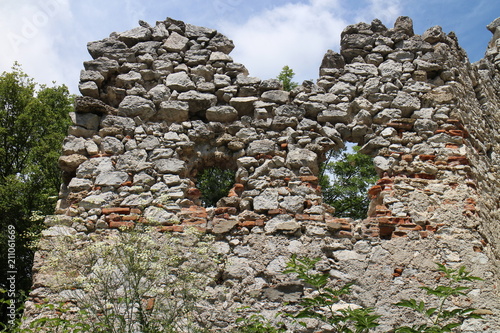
[
  {"x": 345, "y": 179},
  {"x": 285, "y": 76},
  {"x": 33, "y": 122},
  {"x": 214, "y": 184}
]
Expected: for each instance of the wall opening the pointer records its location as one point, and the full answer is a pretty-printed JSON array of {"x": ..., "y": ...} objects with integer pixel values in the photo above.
[
  {"x": 214, "y": 184},
  {"x": 345, "y": 177},
  {"x": 213, "y": 175}
]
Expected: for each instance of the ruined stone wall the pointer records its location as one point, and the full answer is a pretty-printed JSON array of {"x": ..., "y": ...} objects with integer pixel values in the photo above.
[{"x": 162, "y": 103}]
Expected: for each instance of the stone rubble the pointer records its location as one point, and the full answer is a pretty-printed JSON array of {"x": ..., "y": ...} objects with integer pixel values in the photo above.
[{"x": 162, "y": 103}]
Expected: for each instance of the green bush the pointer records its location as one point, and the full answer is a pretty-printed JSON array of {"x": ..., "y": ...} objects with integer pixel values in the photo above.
[
  {"x": 214, "y": 184},
  {"x": 321, "y": 304},
  {"x": 440, "y": 318}
]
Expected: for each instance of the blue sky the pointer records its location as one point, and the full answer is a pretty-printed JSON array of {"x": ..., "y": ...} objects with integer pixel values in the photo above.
[{"x": 49, "y": 37}]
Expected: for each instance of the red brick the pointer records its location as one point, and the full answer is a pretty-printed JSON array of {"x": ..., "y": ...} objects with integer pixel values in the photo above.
[
  {"x": 194, "y": 220},
  {"x": 127, "y": 183},
  {"x": 135, "y": 211},
  {"x": 397, "y": 272},
  {"x": 407, "y": 157},
  {"x": 193, "y": 193},
  {"x": 311, "y": 179},
  {"x": 345, "y": 234},
  {"x": 385, "y": 220},
  {"x": 427, "y": 157},
  {"x": 431, "y": 228},
  {"x": 249, "y": 224},
  {"x": 396, "y": 234},
  {"x": 276, "y": 211},
  {"x": 193, "y": 211},
  {"x": 346, "y": 227},
  {"x": 113, "y": 217},
  {"x": 384, "y": 181},
  {"x": 452, "y": 146},
  {"x": 425, "y": 176},
  {"x": 424, "y": 234},
  {"x": 410, "y": 228},
  {"x": 121, "y": 224},
  {"x": 117, "y": 210},
  {"x": 302, "y": 217},
  {"x": 461, "y": 133},
  {"x": 171, "y": 228},
  {"x": 317, "y": 218},
  {"x": 458, "y": 159},
  {"x": 195, "y": 223},
  {"x": 470, "y": 201},
  {"x": 386, "y": 231},
  {"x": 149, "y": 304},
  {"x": 225, "y": 210},
  {"x": 375, "y": 190},
  {"x": 469, "y": 207}
]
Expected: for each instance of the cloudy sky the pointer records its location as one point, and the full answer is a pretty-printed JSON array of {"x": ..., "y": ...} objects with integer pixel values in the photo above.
[{"x": 48, "y": 37}]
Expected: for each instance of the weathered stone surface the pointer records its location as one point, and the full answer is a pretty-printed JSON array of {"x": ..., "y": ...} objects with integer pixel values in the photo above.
[
  {"x": 173, "y": 111},
  {"x": 111, "y": 145},
  {"x": 113, "y": 178},
  {"x": 175, "y": 42},
  {"x": 238, "y": 268},
  {"x": 198, "y": 101},
  {"x": 299, "y": 158},
  {"x": 138, "y": 200},
  {"x": 222, "y": 114},
  {"x": 73, "y": 145},
  {"x": 156, "y": 215},
  {"x": 266, "y": 201},
  {"x": 224, "y": 226},
  {"x": 244, "y": 105},
  {"x": 69, "y": 163},
  {"x": 406, "y": 103},
  {"x": 293, "y": 204},
  {"x": 78, "y": 184},
  {"x": 275, "y": 96},
  {"x": 133, "y": 160},
  {"x": 132, "y": 106},
  {"x": 284, "y": 223},
  {"x": 89, "y": 88},
  {"x": 170, "y": 165},
  {"x": 133, "y": 36},
  {"x": 85, "y": 104},
  {"x": 107, "y": 45},
  {"x": 97, "y": 200},
  {"x": 180, "y": 81},
  {"x": 261, "y": 147}
]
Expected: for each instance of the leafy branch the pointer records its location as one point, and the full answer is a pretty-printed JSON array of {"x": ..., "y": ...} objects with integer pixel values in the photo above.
[{"x": 438, "y": 318}]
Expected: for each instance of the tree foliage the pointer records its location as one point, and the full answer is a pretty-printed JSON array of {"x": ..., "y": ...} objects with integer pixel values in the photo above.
[
  {"x": 33, "y": 123},
  {"x": 214, "y": 184},
  {"x": 345, "y": 179},
  {"x": 285, "y": 76}
]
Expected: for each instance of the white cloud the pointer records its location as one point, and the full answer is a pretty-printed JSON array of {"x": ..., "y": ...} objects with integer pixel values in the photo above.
[
  {"x": 297, "y": 35},
  {"x": 386, "y": 11},
  {"x": 28, "y": 31}
]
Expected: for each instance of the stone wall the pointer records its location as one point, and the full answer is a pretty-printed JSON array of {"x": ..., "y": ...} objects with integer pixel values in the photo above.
[{"x": 162, "y": 103}]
